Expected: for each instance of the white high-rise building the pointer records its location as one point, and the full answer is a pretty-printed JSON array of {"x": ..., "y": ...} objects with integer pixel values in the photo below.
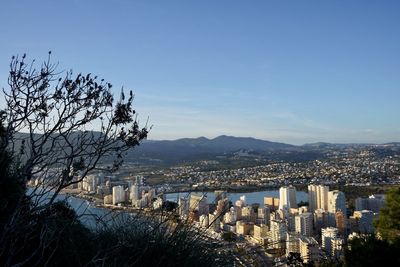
[
  {"x": 287, "y": 197},
  {"x": 317, "y": 197},
  {"x": 336, "y": 201},
  {"x": 327, "y": 234},
  {"x": 312, "y": 197},
  {"x": 304, "y": 223},
  {"x": 118, "y": 194},
  {"x": 134, "y": 193},
  {"x": 278, "y": 233}
]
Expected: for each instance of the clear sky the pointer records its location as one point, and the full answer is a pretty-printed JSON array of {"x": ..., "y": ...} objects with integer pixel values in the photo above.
[{"x": 289, "y": 71}]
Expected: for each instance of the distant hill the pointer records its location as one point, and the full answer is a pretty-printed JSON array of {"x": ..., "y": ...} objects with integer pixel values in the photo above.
[
  {"x": 193, "y": 148},
  {"x": 201, "y": 148},
  {"x": 187, "y": 149}
]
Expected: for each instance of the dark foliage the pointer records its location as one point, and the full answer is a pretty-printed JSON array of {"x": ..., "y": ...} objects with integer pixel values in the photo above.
[
  {"x": 388, "y": 222},
  {"x": 56, "y": 237},
  {"x": 229, "y": 236},
  {"x": 130, "y": 245},
  {"x": 52, "y": 237},
  {"x": 370, "y": 251},
  {"x": 12, "y": 187},
  {"x": 170, "y": 206},
  {"x": 294, "y": 259}
]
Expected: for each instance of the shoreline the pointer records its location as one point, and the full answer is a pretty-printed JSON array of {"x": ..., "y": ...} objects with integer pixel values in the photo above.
[{"x": 351, "y": 192}]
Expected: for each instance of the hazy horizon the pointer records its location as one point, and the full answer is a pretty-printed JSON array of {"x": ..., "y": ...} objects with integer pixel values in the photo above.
[
  {"x": 279, "y": 71},
  {"x": 263, "y": 139}
]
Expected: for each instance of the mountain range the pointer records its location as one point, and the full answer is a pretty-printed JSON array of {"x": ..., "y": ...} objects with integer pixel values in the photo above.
[
  {"x": 187, "y": 149},
  {"x": 202, "y": 148}
]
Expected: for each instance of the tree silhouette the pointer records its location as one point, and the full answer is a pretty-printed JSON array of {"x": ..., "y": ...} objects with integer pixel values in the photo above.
[
  {"x": 388, "y": 222},
  {"x": 54, "y": 124},
  {"x": 68, "y": 121}
]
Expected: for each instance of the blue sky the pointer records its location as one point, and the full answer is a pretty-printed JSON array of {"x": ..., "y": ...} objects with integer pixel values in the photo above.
[{"x": 289, "y": 71}]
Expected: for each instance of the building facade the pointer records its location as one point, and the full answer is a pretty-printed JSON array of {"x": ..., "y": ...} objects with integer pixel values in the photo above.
[{"x": 287, "y": 198}]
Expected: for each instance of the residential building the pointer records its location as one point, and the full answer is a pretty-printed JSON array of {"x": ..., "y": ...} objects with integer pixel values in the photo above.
[
  {"x": 337, "y": 247},
  {"x": 341, "y": 223},
  {"x": 317, "y": 197},
  {"x": 248, "y": 214},
  {"x": 263, "y": 215},
  {"x": 304, "y": 224},
  {"x": 260, "y": 231},
  {"x": 278, "y": 233},
  {"x": 309, "y": 251},
  {"x": 199, "y": 203},
  {"x": 327, "y": 234},
  {"x": 134, "y": 193},
  {"x": 244, "y": 228},
  {"x": 118, "y": 194},
  {"x": 336, "y": 201},
  {"x": 214, "y": 221},
  {"x": 373, "y": 203},
  {"x": 271, "y": 203},
  {"x": 108, "y": 200},
  {"x": 230, "y": 216},
  {"x": 183, "y": 206},
  {"x": 292, "y": 243},
  {"x": 287, "y": 197},
  {"x": 364, "y": 220},
  {"x": 321, "y": 220}
]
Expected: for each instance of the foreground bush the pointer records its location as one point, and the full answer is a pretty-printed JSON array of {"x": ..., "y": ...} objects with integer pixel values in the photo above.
[
  {"x": 370, "y": 251},
  {"x": 56, "y": 237}
]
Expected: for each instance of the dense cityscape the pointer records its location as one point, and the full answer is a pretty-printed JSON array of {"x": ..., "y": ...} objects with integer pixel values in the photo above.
[
  {"x": 360, "y": 165},
  {"x": 264, "y": 233},
  {"x": 270, "y": 232}
]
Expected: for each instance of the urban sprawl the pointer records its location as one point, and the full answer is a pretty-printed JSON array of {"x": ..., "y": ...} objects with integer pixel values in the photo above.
[{"x": 270, "y": 231}]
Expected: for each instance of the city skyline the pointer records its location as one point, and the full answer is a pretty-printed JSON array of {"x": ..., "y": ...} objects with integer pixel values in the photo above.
[{"x": 283, "y": 72}]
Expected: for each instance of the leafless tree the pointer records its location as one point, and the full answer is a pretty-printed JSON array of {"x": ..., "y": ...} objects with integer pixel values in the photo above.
[{"x": 57, "y": 121}]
